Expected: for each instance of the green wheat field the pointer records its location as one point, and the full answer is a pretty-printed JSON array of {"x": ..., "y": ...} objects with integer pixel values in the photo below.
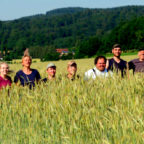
[{"x": 104, "y": 111}]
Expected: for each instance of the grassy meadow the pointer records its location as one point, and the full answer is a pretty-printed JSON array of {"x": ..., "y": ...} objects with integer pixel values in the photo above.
[{"x": 104, "y": 111}]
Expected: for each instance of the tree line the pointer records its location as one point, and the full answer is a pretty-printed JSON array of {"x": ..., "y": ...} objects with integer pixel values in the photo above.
[{"x": 85, "y": 31}]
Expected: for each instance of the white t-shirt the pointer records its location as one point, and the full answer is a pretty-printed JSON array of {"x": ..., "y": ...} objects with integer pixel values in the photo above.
[{"x": 93, "y": 73}]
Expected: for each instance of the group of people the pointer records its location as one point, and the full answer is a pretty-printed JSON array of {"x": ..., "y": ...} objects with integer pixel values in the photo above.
[
  {"x": 103, "y": 68},
  {"x": 29, "y": 77}
]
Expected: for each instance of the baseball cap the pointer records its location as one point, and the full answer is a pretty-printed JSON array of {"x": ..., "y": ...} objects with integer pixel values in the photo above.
[
  {"x": 72, "y": 63},
  {"x": 51, "y": 65}
]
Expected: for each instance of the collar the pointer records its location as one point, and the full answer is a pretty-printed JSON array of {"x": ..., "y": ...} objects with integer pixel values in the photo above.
[{"x": 105, "y": 70}]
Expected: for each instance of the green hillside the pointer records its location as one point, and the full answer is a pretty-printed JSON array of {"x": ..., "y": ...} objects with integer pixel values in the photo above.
[{"x": 62, "y": 28}]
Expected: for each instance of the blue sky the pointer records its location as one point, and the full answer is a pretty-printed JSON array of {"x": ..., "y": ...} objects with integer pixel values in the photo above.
[{"x": 13, "y": 9}]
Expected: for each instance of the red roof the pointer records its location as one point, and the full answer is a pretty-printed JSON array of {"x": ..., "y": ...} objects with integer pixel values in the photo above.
[{"x": 61, "y": 50}]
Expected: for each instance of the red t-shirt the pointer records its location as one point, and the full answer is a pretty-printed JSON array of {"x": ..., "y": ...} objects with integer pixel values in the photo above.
[{"x": 4, "y": 83}]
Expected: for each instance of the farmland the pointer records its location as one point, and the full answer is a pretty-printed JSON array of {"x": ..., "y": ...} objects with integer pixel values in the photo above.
[{"x": 103, "y": 111}]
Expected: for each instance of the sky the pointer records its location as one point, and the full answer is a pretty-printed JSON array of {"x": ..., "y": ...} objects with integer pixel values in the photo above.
[{"x": 14, "y": 9}]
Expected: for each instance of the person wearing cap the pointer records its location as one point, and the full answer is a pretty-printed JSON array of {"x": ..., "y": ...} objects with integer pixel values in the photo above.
[
  {"x": 72, "y": 69},
  {"x": 99, "y": 70},
  {"x": 116, "y": 63},
  {"x": 137, "y": 65},
  {"x": 51, "y": 71}
]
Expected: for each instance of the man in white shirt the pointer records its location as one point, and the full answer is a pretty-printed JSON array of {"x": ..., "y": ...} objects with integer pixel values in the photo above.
[{"x": 99, "y": 70}]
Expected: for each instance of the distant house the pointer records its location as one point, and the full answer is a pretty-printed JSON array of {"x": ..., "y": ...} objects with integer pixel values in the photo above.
[{"x": 64, "y": 52}]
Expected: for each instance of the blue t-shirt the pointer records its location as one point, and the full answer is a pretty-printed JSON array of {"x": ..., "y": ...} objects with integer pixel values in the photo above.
[{"x": 27, "y": 79}]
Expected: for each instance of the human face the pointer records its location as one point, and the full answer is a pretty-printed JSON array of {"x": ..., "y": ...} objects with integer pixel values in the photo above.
[
  {"x": 72, "y": 70},
  {"x": 26, "y": 61},
  {"x": 51, "y": 71},
  {"x": 141, "y": 55},
  {"x": 4, "y": 69},
  {"x": 116, "y": 51},
  {"x": 101, "y": 64}
]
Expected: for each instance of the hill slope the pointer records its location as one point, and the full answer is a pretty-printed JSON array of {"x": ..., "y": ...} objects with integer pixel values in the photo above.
[{"x": 63, "y": 27}]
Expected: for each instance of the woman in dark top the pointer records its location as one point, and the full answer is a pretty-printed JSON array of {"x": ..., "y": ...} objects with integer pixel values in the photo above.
[{"x": 27, "y": 76}]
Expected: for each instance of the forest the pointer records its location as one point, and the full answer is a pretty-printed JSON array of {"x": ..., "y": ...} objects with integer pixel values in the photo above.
[{"x": 87, "y": 32}]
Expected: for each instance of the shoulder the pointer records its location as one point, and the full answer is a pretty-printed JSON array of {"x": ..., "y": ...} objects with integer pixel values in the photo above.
[
  {"x": 44, "y": 80},
  {"x": 134, "y": 60},
  {"x": 111, "y": 60},
  {"x": 110, "y": 63},
  {"x": 34, "y": 71},
  {"x": 9, "y": 79},
  {"x": 123, "y": 61},
  {"x": 36, "y": 74},
  {"x": 89, "y": 71},
  {"x": 19, "y": 72}
]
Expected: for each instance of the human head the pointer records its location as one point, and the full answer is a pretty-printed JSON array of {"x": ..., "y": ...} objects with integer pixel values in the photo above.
[
  {"x": 4, "y": 69},
  {"x": 26, "y": 59},
  {"x": 116, "y": 50},
  {"x": 51, "y": 69},
  {"x": 100, "y": 63},
  {"x": 72, "y": 67},
  {"x": 141, "y": 54}
]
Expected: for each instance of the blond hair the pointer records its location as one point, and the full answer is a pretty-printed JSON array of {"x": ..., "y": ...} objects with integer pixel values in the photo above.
[
  {"x": 26, "y": 54},
  {"x": 9, "y": 71},
  {"x": 3, "y": 63}
]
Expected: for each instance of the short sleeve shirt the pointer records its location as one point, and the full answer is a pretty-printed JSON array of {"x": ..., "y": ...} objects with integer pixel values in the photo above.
[
  {"x": 4, "y": 83},
  {"x": 27, "y": 79},
  {"x": 44, "y": 80},
  {"x": 136, "y": 65},
  {"x": 121, "y": 66}
]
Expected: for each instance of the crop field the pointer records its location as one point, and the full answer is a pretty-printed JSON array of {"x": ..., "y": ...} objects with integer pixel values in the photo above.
[{"x": 104, "y": 111}]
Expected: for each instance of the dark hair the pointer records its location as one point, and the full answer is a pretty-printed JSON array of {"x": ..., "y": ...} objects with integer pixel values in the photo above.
[
  {"x": 99, "y": 57},
  {"x": 116, "y": 46},
  {"x": 142, "y": 49}
]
